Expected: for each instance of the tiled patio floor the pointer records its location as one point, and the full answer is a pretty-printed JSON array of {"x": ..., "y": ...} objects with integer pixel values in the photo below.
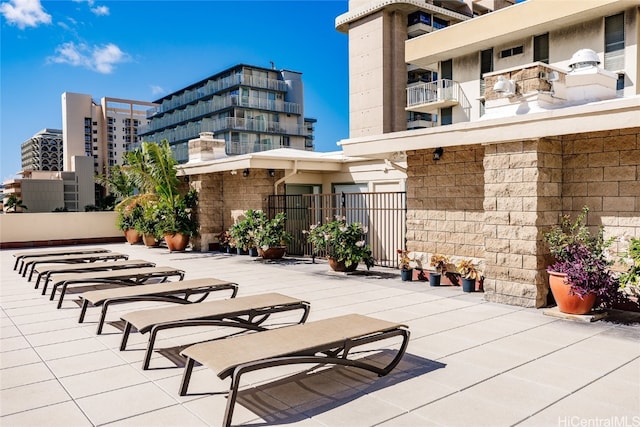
[{"x": 469, "y": 362}]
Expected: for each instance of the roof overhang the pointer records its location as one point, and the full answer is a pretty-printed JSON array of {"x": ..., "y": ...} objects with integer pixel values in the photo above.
[
  {"x": 280, "y": 159},
  {"x": 618, "y": 113},
  {"x": 342, "y": 22},
  {"x": 522, "y": 20}
]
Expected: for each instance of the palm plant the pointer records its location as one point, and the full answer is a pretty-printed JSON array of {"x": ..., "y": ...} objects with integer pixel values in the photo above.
[{"x": 13, "y": 203}]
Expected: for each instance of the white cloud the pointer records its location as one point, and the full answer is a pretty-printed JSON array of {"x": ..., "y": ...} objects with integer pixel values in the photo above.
[
  {"x": 157, "y": 90},
  {"x": 101, "y": 59},
  {"x": 100, "y": 10},
  {"x": 24, "y": 13}
]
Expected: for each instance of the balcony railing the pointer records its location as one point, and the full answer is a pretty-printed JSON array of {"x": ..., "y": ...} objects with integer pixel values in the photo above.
[
  {"x": 203, "y": 108},
  {"x": 430, "y": 97},
  {"x": 213, "y": 86}
]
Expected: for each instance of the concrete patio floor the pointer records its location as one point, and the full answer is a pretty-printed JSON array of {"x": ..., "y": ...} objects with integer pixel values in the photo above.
[{"x": 468, "y": 363}]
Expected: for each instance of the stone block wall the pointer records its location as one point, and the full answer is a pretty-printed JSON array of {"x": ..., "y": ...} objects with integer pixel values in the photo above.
[
  {"x": 495, "y": 202},
  {"x": 445, "y": 202},
  {"x": 601, "y": 170},
  {"x": 222, "y": 195}
]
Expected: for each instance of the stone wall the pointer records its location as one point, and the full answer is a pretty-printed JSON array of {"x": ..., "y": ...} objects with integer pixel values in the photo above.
[
  {"x": 495, "y": 202},
  {"x": 223, "y": 196},
  {"x": 445, "y": 202},
  {"x": 601, "y": 170}
]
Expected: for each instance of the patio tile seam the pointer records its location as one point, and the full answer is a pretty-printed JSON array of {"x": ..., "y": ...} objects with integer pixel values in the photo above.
[
  {"x": 578, "y": 389},
  {"x": 518, "y": 366}
]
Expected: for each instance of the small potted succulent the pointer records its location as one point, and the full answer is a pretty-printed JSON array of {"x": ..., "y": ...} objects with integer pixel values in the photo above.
[
  {"x": 439, "y": 263},
  {"x": 470, "y": 274},
  {"x": 406, "y": 270}
]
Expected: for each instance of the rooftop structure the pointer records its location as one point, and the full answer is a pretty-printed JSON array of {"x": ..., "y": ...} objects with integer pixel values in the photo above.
[{"x": 538, "y": 115}]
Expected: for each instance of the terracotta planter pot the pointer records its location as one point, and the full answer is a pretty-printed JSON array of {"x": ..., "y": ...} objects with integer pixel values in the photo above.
[
  {"x": 340, "y": 266},
  {"x": 150, "y": 241},
  {"x": 570, "y": 304},
  {"x": 132, "y": 236},
  {"x": 176, "y": 242},
  {"x": 273, "y": 253}
]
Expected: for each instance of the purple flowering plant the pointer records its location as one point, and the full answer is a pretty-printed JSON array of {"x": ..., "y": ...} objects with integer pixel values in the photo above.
[{"x": 582, "y": 256}]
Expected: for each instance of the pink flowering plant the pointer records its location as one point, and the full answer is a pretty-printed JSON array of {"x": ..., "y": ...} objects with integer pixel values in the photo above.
[{"x": 341, "y": 241}]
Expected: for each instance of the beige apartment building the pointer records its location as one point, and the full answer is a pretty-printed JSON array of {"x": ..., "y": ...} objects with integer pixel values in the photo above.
[{"x": 534, "y": 112}]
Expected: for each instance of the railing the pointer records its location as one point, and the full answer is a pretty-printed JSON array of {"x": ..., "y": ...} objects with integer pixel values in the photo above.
[
  {"x": 203, "y": 108},
  {"x": 384, "y": 215},
  {"x": 438, "y": 91},
  {"x": 213, "y": 86}
]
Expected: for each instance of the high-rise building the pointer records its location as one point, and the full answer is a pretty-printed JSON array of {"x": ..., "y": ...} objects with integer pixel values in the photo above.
[
  {"x": 103, "y": 131},
  {"x": 252, "y": 108},
  {"x": 43, "y": 151},
  {"x": 378, "y": 73}
]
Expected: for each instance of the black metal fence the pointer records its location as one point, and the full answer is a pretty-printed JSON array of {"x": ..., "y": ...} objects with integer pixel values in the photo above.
[{"x": 383, "y": 214}]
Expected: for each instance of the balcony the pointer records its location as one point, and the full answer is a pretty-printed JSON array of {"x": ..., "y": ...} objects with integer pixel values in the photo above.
[
  {"x": 420, "y": 124},
  {"x": 431, "y": 97}
]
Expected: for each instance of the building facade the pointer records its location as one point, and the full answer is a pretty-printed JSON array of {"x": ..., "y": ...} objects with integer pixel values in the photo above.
[
  {"x": 523, "y": 135},
  {"x": 252, "y": 108},
  {"x": 102, "y": 131},
  {"x": 43, "y": 151}
]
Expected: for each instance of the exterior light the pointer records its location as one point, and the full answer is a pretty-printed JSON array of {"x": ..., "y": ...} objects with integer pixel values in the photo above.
[
  {"x": 437, "y": 153},
  {"x": 245, "y": 173},
  {"x": 271, "y": 172}
]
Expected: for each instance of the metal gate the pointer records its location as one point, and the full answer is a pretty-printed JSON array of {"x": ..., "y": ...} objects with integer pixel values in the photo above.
[{"x": 384, "y": 215}]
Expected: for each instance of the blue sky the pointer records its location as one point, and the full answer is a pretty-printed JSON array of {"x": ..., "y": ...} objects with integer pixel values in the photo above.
[{"x": 143, "y": 50}]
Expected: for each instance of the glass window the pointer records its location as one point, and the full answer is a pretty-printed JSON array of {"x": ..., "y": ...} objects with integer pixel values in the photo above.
[
  {"x": 614, "y": 42},
  {"x": 541, "y": 48}
]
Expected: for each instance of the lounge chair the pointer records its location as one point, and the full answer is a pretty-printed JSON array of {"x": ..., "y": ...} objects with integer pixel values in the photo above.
[
  {"x": 327, "y": 341},
  {"x": 21, "y": 255},
  {"x": 128, "y": 277},
  {"x": 176, "y": 292},
  {"x": 47, "y": 270},
  {"x": 31, "y": 263},
  {"x": 229, "y": 313}
]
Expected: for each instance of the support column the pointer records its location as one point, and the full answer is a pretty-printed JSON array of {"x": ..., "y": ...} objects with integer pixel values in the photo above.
[{"x": 522, "y": 199}]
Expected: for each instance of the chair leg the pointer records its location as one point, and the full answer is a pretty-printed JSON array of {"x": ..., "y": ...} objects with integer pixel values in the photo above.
[
  {"x": 186, "y": 376},
  {"x": 125, "y": 336}
]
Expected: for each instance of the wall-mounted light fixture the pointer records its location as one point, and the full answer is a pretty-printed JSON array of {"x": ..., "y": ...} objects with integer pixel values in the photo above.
[
  {"x": 271, "y": 172},
  {"x": 437, "y": 153},
  {"x": 234, "y": 172},
  {"x": 245, "y": 173},
  {"x": 505, "y": 87}
]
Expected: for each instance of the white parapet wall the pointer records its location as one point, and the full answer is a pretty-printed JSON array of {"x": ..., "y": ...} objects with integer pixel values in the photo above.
[{"x": 36, "y": 229}]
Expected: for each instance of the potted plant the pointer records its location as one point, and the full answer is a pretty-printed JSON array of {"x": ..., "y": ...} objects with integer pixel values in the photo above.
[
  {"x": 224, "y": 240},
  {"x": 129, "y": 212},
  {"x": 581, "y": 274},
  {"x": 343, "y": 244},
  {"x": 470, "y": 274},
  {"x": 148, "y": 225},
  {"x": 272, "y": 237},
  {"x": 630, "y": 279},
  {"x": 243, "y": 232},
  {"x": 439, "y": 263},
  {"x": 406, "y": 271}
]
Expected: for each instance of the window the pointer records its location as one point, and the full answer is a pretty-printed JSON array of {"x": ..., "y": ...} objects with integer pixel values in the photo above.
[
  {"x": 614, "y": 42},
  {"x": 541, "y": 48},
  {"x": 486, "y": 61},
  {"x": 446, "y": 116},
  {"x": 518, "y": 50}
]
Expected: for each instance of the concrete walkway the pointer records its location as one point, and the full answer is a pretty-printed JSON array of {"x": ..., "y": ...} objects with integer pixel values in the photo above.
[{"x": 469, "y": 362}]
